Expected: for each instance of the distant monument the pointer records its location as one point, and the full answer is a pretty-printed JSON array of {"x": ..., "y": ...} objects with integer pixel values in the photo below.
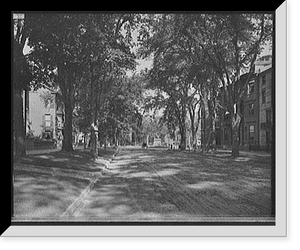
[{"x": 157, "y": 141}]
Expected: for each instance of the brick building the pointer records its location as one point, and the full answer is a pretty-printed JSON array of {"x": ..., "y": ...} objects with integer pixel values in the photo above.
[
  {"x": 256, "y": 110},
  {"x": 249, "y": 110},
  {"x": 265, "y": 85},
  {"x": 249, "y": 127}
]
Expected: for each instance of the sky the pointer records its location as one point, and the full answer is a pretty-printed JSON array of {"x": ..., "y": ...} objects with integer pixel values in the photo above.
[{"x": 142, "y": 63}]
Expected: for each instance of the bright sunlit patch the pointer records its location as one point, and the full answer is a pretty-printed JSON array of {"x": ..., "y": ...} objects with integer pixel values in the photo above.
[
  {"x": 78, "y": 156},
  {"x": 242, "y": 159},
  {"x": 167, "y": 172},
  {"x": 203, "y": 185},
  {"x": 45, "y": 156},
  {"x": 60, "y": 159}
]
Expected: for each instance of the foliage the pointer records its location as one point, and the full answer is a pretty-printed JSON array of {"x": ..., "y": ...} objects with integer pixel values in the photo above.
[
  {"x": 197, "y": 55},
  {"x": 78, "y": 53},
  {"x": 196, "y": 59}
]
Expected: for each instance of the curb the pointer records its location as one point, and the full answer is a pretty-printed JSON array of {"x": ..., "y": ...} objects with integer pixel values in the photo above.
[
  {"x": 111, "y": 159},
  {"x": 80, "y": 200},
  {"x": 113, "y": 156}
]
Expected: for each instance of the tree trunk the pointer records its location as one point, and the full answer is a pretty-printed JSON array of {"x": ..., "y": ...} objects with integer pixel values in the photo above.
[
  {"x": 207, "y": 147},
  {"x": 235, "y": 135},
  {"x": 84, "y": 140},
  {"x": 193, "y": 127},
  {"x": 68, "y": 128},
  {"x": 194, "y": 141},
  {"x": 105, "y": 143},
  {"x": 214, "y": 133},
  {"x": 182, "y": 137},
  {"x": 93, "y": 140},
  {"x": 18, "y": 85},
  {"x": 18, "y": 124},
  {"x": 206, "y": 124},
  {"x": 116, "y": 138}
]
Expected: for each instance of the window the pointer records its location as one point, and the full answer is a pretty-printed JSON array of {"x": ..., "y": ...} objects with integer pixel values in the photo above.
[
  {"x": 251, "y": 87},
  {"x": 251, "y": 109},
  {"x": 47, "y": 120},
  {"x": 263, "y": 96},
  {"x": 251, "y": 132},
  {"x": 264, "y": 80},
  {"x": 246, "y": 132}
]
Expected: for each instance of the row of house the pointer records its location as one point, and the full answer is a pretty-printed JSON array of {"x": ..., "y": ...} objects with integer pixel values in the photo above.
[{"x": 256, "y": 106}]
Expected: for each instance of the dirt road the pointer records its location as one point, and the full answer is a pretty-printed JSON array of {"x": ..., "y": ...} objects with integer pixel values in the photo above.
[{"x": 161, "y": 185}]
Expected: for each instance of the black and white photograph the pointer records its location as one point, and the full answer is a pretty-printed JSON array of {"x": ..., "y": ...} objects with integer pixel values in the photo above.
[{"x": 144, "y": 119}]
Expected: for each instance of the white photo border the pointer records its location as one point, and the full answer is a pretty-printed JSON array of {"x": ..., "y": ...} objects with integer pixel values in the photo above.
[{"x": 280, "y": 228}]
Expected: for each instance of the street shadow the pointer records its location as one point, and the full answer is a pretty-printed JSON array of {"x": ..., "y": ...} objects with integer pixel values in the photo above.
[
  {"x": 224, "y": 185},
  {"x": 148, "y": 184}
]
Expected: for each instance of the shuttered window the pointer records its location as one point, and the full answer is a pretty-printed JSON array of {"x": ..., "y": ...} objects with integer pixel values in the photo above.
[{"x": 48, "y": 120}]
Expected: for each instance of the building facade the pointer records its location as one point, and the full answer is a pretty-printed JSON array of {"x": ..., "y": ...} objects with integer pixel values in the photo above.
[
  {"x": 41, "y": 113},
  {"x": 256, "y": 108},
  {"x": 249, "y": 127},
  {"x": 265, "y": 85},
  {"x": 43, "y": 117}
]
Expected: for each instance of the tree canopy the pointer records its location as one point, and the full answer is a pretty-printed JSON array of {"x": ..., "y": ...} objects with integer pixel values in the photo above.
[
  {"x": 198, "y": 55},
  {"x": 196, "y": 59}
]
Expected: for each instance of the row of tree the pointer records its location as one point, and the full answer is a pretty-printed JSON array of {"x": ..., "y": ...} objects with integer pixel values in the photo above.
[
  {"x": 195, "y": 58},
  {"x": 86, "y": 57}
]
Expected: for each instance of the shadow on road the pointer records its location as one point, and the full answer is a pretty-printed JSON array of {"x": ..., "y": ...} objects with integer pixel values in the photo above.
[
  {"x": 164, "y": 185},
  {"x": 149, "y": 185}
]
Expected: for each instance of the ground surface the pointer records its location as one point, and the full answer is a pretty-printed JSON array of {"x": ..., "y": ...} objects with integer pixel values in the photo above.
[{"x": 143, "y": 185}]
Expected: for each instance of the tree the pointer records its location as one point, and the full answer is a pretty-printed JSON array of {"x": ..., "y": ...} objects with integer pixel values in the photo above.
[
  {"x": 107, "y": 40},
  {"x": 194, "y": 110},
  {"x": 55, "y": 42},
  {"x": 171, "y": 70},
  {"x": 185, "y": 46},
  {"x": 78, "y": 46},
  {"x": 21, "y": 80},
  {"x": 231, "y": 43},
  {"x": 121, "y": 109}
]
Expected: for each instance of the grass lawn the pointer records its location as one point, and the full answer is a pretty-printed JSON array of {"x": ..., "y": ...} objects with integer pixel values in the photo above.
[
  {"x": 40, "y": 196},
  {"x": 79, "y": 159},
  {"x": 46, "y": 183}
]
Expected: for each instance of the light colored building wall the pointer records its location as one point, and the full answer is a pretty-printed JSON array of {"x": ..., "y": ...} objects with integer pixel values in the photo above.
[{"x": 38, "y": 110}]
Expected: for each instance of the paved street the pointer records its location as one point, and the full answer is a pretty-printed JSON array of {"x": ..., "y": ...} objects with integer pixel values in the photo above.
[{"x": 157, "y": 185}]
